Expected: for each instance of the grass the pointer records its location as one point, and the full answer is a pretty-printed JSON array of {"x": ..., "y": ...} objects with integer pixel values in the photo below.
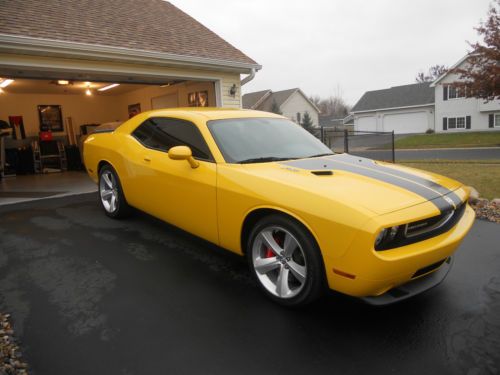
[
  {"x": 450, "y": 140},
  {"x": 483, "y": 175}
]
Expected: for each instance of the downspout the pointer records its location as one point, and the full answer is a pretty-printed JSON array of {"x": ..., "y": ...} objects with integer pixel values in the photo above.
[{"x": 249, "y": 77}]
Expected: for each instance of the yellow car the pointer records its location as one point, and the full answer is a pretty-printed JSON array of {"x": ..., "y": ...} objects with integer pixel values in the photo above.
[{"x": 307, "y": 219}]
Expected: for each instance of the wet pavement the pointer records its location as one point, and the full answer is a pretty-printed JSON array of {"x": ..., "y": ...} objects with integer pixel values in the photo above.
[{"x": 90, "y": 295}]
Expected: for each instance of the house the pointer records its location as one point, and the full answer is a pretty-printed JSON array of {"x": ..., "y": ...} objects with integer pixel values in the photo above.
[
  {"x": 292, "y": 103},
  {"x": 419, "y": 107},
  {"x": 69, "y": 53},
  {"x": 66, "y": 66},
  {"x": 454, "y": 112},
  {"x": 337, "y": 122},
  {"x": 402, "y": 109}
]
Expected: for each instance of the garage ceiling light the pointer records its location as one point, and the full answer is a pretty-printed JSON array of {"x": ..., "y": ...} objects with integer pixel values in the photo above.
[
  {"x": 108, "y": 87},
  {"x": 5, "y": 83},
  {"x": 62, "y": 82}
]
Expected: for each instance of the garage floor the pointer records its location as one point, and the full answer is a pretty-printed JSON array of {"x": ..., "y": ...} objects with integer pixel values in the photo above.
[
  {"x": 25, "y": 188},
  {"x": 90, "y": 295}
]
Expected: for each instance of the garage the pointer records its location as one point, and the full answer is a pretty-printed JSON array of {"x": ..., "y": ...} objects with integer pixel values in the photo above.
[
  {"x": 58, "y": 83},
  {"x": 404, "y": 123},
  {"x": 366, "y": 123}
]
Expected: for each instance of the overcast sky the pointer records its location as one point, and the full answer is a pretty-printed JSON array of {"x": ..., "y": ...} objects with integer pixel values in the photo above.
[{"x": 323, "y": 45}]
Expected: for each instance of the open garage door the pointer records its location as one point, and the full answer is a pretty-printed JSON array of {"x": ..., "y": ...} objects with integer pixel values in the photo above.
[
  {"x": 406, "y": 123},
  {"x": 50, "y": 117}
]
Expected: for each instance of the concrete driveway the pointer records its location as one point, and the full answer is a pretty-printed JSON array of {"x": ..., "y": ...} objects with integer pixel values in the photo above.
[{"x": 89, "y": 295}]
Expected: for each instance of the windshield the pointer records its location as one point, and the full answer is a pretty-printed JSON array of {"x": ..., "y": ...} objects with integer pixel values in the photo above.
[{"x": 254, "y": 140}]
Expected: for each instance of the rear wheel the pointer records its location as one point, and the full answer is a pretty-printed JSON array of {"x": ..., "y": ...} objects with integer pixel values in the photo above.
[
  {"x": 286, "y": 261},
  {"x": 111, "y": 194}
]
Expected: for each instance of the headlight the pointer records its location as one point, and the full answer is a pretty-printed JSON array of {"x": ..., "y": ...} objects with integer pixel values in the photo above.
[{"x": 386, "y": 236}]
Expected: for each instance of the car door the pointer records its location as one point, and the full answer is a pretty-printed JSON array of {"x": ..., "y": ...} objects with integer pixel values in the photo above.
[{"x": 171, "y": 189}]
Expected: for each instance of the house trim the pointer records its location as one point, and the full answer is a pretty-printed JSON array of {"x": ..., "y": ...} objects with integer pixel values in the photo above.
[
  {"x": 261, "y": 100},
  {"x": 394, "y": 108},
  {"x": 49, "y": 47},
  {"x": 442, "y": 76}
]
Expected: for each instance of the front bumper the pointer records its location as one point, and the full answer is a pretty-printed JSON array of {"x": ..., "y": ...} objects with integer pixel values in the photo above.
[
  {"x": 375, "y": 273},
  {"x": 413, "y": 287}
]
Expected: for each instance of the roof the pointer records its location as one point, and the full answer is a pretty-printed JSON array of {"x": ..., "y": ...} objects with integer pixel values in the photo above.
[
  {"x": 263, "y": 100},
  {"x": 146, "y": 25},
  {"x": 250, "y": 100},
  {"x": 416, "y": 94},
  {"x": 330, "y": 120}
]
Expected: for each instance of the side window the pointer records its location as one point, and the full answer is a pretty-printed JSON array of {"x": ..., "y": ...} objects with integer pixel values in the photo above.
[{"x": 162, "y": 133}]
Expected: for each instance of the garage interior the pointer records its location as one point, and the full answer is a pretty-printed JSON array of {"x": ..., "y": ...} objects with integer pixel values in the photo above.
[{"x": 44, "y": 120}]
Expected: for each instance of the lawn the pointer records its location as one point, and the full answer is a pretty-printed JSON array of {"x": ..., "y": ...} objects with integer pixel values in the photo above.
[
  {"x": 450, "y": 140},
  {"x": 484, "y": 175}
]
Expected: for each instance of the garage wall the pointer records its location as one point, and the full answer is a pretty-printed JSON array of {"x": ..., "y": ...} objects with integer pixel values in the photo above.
[
  {"x": 81, "y": 108},
  {"x": 145, "y": 95},
  {"x": 85, "y": 109}
]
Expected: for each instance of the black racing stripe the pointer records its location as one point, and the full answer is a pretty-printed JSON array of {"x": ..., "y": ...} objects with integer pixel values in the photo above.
[
  {"x": 327, "y": 163},
  {"x": 409, "y": 176}
]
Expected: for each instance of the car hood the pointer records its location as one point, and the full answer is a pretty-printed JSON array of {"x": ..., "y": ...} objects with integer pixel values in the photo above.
[{"x": 356, "y": 181}]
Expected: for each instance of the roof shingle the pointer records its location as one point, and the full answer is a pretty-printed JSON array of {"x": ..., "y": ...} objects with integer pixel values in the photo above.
[
  {"x": 395, "y": 97},
  {"x": 148, "y": 25}
]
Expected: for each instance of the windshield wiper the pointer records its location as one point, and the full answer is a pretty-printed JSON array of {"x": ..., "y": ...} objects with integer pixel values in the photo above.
[
  {"x": 318, "y": 155},
  {"x": 262, "y": 160}
]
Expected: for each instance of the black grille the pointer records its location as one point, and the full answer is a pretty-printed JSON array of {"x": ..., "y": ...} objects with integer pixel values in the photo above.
[{"x": 429, "y": 268}]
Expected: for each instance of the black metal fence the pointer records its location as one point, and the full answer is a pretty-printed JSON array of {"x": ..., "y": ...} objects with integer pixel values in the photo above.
[{"x": 376, "y": 145}]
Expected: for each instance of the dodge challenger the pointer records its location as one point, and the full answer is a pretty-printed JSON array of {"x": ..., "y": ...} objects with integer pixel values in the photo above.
[{"x": 307, "y": 219}]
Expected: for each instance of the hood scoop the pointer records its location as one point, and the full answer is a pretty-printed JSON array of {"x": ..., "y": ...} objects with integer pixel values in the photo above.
[{"x": 322, "y": 173}]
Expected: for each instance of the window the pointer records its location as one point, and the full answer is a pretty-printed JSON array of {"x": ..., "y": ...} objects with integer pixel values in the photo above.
[
  {"x": 497, "y": 120},
  {"x": 298, "y": 117},
  {"x": 162, "y": 133},
  {"x": 452, "y": 123},
  {"x": 456, "y": 92},
  {"x": 457, "y": 123}
]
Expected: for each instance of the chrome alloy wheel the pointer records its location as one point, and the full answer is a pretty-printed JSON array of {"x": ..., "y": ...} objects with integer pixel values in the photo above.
[
  {"x": 279, "y": 262},
  {"x": 108, "y": 190}
]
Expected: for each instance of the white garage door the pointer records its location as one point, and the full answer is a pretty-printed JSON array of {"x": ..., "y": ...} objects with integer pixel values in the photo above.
[
  {"x": 368, "y": 123},
  {"x": 402, "y": 123}
]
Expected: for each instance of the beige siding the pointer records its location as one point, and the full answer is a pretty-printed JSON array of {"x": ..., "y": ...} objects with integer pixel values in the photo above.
[{"x": 298, "y": 104}]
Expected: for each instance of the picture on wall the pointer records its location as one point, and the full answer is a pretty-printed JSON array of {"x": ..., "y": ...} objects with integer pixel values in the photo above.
[
  {"x": 50, "y": 118},
  {"x": 17, "y": 125},
  {"x": 134, "y": 109},
  {"x": 198, "y": 99}
]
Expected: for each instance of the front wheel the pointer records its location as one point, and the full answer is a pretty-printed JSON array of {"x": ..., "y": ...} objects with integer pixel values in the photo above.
[
  {"x": 286, "y": 261},
  {"x": 110, "y": 191}
]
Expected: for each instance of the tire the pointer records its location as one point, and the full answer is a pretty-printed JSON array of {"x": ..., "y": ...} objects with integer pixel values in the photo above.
[
  {"x": 111, "y": 194},
  {"x": 286, "y": 261}
]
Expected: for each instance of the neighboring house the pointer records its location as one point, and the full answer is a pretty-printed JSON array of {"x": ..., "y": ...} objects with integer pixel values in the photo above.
[
  {"x": 402, "y": 109},
  {"x": 337, "y": 122},
  {"x": 415, "y": 108},
  {"x": 455, "y": 112},
  {"x": 292, "y": 103}
]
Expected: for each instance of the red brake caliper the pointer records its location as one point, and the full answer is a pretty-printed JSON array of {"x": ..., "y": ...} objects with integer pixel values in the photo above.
[{"x": 269, "y": 251}]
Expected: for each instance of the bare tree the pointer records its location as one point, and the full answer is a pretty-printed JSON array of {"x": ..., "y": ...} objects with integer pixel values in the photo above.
[
  {"x": 480, "y": 77},
  {"x": 432, "y": 74},
  {"x": 334, "y": 105}
]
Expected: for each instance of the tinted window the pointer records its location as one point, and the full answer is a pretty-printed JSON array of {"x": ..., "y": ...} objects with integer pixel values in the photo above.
[
  {"x": 163, "y": 133},
  {"x": 245, "y": 139}
]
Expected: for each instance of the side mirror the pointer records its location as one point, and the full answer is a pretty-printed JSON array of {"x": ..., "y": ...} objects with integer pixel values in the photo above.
[{"x": 183, "y": 153}]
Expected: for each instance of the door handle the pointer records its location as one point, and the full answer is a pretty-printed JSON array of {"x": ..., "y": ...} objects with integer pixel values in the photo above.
[{"x": 147, "y": 159}]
